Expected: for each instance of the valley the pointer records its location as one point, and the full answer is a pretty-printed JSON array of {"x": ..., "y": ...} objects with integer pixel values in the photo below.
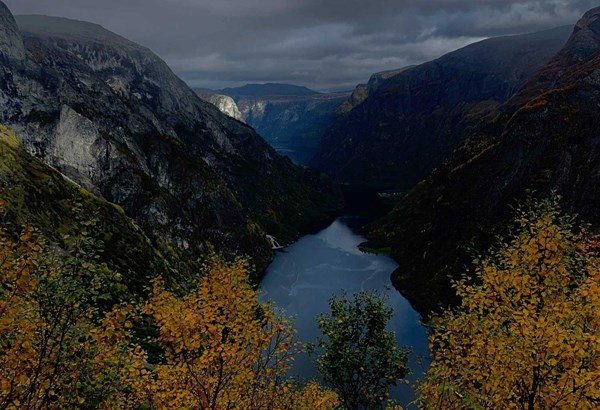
[
  {"x": 272, "y": 207},
  {"x": 304, "y": 276},
  {"x": 290, "y": 118}
]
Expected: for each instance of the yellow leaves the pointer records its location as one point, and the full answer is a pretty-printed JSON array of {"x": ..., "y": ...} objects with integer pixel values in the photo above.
[
  {"x": 27, "y": 234},
  {"x": 311, "y": 396},
  {"x": 222, "y": 347},
  {"x": 530, "y": 327},
  {"x": 50, "y": 349}
]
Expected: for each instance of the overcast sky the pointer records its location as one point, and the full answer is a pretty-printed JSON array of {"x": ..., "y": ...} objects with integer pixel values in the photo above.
[{"x": 323, "y": 44}]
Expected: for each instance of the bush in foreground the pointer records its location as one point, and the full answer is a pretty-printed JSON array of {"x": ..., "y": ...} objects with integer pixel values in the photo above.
[{"x": 526, "y": 335}]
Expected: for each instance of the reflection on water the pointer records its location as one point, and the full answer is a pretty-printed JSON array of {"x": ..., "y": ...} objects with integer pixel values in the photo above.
[
  {"x": 304, "y": 276},
  {"x": 298, "y": 155}
]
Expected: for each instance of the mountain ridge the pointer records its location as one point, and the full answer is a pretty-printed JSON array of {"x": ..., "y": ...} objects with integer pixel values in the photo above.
[
  {"x": 398, "y": 134},
  {"x": 268, "y": 89},
  {"x": 112, "y": 116},
  {"x": 543, "y": 140},
  {"x": 362, "y": 91}
]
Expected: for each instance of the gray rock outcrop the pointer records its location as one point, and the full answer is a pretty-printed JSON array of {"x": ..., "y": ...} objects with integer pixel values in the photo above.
[
  {"x": 224, "y": 103},
  {"x": 112, "y": 116}
]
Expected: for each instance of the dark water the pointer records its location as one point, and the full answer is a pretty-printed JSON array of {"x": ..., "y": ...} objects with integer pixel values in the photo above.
[
  {"x": 298, "y": 155},
  {"x": 306, "y": 274}
]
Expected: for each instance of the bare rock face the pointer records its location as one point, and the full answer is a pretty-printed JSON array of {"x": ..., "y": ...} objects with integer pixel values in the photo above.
[
  {"x": 253, "y": 108},
  {"x": 113, "y": 117},
  {"x": 224, "y": 103},
  {"x": 77, "y": 146},
  {"x": 37, "y": 195},
  {"x": 11, "y": 43}
]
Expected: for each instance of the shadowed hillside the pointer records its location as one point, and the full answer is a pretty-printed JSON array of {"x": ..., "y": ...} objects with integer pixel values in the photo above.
[{"x": 544, "y": 139}]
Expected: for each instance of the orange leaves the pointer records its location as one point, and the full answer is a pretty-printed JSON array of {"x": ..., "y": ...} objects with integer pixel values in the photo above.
[
  {"x": 527, "y": 336},
  {"x": 223, "y": 349},
  {"x": 52, "y": 355},
  {"x": 311, "y": 396}
]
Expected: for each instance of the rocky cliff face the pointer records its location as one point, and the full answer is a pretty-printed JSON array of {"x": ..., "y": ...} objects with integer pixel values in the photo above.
[
  {"x": 33, "y": 194},
  {"x": 293, "y": 124},
  {"x": 111, "y": 116},
  {"x": 224, "y": 103},
  {"x": 544, "y": 139},
  {"x": 414, "y": 119},
  {"x": 11, "y": 43}
]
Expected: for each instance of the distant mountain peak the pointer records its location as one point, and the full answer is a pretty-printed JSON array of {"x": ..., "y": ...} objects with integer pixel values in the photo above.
[
  {"x": 268, "y": 89},
  {"x": 586, "y": 35},
  {"x": 387, "y": 74},
  {"x": 224, "y": 103}
]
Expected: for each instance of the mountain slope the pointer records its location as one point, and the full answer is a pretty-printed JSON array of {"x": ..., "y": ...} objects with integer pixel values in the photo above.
[
  {"x": 224, "y": 103},
  {"x": 113, "y": 117},
  {"x": 403, "y": 130},
  {"x": 33, "y": 194},
  {"x": 293, "y": 125},
  {"x": 291, "y": 118},
  {"x": 544, "y": 139},
  {"x": 362, "y": 91}
]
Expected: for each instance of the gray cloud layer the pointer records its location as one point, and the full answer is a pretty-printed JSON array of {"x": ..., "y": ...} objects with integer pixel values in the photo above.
[{"x": 323, "y": 44}]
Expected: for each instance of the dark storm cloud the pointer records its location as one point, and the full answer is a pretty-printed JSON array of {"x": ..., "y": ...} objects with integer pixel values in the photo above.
[{"x": 324, "y": 44}]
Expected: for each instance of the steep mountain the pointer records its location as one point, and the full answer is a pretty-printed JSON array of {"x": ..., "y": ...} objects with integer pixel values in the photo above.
[
  {"x": 413, "y": 120},
  {"x": 33, "y": 194},
  {"x": 11, "y": 44},
  {"x": 291, "y": 118},
  {"x": 111, "y": 116},
  {"x": 263, "y": 90},
  {"x": 544, "y": 139},
  {"x": 224, "y": 103},
  {"x": 362, "y": 91}
]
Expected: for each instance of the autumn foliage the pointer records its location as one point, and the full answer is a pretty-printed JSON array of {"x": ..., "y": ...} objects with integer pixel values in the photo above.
[
  {"x": 56, "y": 349},
  {"x": 527, "y": 333},
  {"x": 61, "y": 347},
  {"x": 223, "y": 349}
]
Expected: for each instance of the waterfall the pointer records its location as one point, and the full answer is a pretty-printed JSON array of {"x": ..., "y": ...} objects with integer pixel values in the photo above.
[{"x": 274, "y": 244}]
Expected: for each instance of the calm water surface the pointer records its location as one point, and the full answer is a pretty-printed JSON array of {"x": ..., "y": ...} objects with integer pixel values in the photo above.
[
  {"x": 305, "y": 275},
  {"x": 298, "y": 155}
]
